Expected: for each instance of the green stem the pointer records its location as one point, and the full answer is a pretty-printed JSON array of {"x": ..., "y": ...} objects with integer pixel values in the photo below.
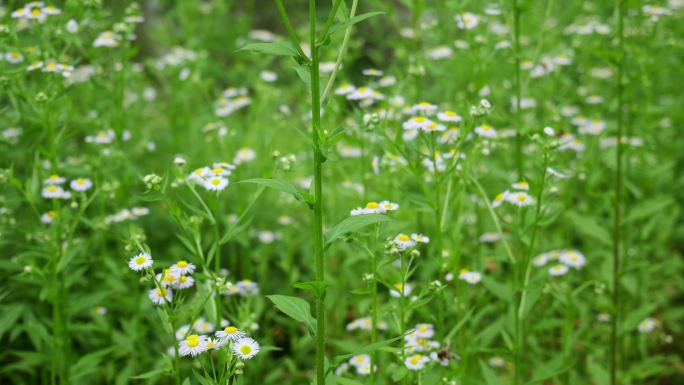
[
  {"x": 516, "y": 57},
  {"x": 618, "y": 196},
  {"x": 340, "y": 55},
  {"x": 318, "y": 196}
]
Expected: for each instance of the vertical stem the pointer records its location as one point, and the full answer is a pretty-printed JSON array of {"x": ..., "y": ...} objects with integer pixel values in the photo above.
[
  {"x": 318, "y": 196},
  {"x": 516, "y": 57},
  {"x": 618, "y": 197}
]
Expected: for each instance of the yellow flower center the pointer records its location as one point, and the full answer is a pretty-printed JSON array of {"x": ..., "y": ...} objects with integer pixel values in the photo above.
[
  {"x": 359, "y": 359},
  {"x": 424, "y": 104},
  {"x": 216, "y": 182},
  {"x": 420, "y": 119},
  {"x": 230, "y": 330},
  {"x": 80, "y": 182},
  {"x": 245, "y": 349},
  {"x": 52, "y": 214},
  {"x": 423, "y": 329},
  {"x": 499, "y": 197},
  {"x": 247, "y": 281},
  {"x": 52, "y": 188},
  {"x": 521, "y": 197},
  {"x": 161, "y": 292},
  {"x": 54, "y": 177},
  {"x": 217, "y": 170},
  {"x": 183, "y": 278},
  {"x": 140, "y": 260},
  {"x": 450, "y": 113},
  {"x": 182, "y": 264},
  {"x": 51, "y": 66},
  {"x": 403, "y": 238},
  {"x": 463, "y": 271},
  {"x": 35, "y": 12},
  {"x": 486, "y": 127},
  {"x": 372, "y": 205}
]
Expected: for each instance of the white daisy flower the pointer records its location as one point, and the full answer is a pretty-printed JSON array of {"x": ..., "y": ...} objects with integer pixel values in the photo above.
[
  {"x": 418, "y": 237},
  {"x": 424, "y": 331},
  {"x": 193, "y": 345},
  {"x": 416, "y": 123},
  {"x": 467, "y": 20},
  {"x": 72, "y": 26},
  {"x": 48, "y": 216},
  {"x": 184, "y": 282},
  {"x": 489, "y": 237},
  {"x": 246, "y": 348},
  {"x": 648, "y": 325},
  {"x": 230, "y": 333},
  {"x": 540, "y": 260},
  {"x": 345, "y": 89},
  {"x": 360, "y": 360},
  {"x": 403, "y": 242},
  {"x": 396, "y": 292},
  {"x": 555, "y": 173},
  {"x": 471, "y": 277},
  {"x": 520, "y": 199},
  {"x": 107, "y": 39},
  {"x": 362, "y": 93},
  {"x": 499, "y": 199},
  {"x": 159, "y": 296},
  {"x": 244, "y": 155},
  {"x": 522, "y": 185},
  {"x": 55, "y": 192},
  {"x": 371, "y": 208},
  {"x": 81, "y": 184},
  {"x": 573, "y": 258},
  {"x": 388, "y": 206},
  {"x": 372, "y": 72},
  {"x": 485, "y": 130},
  {"x": 140, "y": 262},
  {"x": 54, "y": 179},
  {"x": 416, "y": 362},
  {"x": 449, "y": 116},
  {"x": 183, "y": 267},
  {"x": 247, "y": 287},
  {"x": 14, "y": 57},
  {"x": 425, "y": 107},
  {"x": 203, "y": 326},
  {"x": 216, "y": 183},
  {"x": 558, "y": 270},
  {"x": 268, "y": 76},
  {"x": 182, "y": 331}
]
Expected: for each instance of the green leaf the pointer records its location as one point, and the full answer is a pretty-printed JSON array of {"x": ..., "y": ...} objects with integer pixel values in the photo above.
[
  {"x": 489, "y": 375},
  {"x": 152, "y": 373},
  {"x": 347, "y": 381},
  {"x": 349, "y": 22},
  {"x": 318, "y": 288},
  {"x": 648, "y": 209},
  {"x": 353, "y": 224},
  {"x": 499, "y": 290},
  {"x": 280, "y": 48},
  {"x": 295, "y": 308},
  {"x": 202, "y": 380},
  {"x": 280, "y": 185},
  {"x": 588, "y": 227},
  {"x": 9, "y": 317}
]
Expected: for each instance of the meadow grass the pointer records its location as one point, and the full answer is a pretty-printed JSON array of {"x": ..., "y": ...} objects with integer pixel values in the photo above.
[{"x": 341, "y": 192}]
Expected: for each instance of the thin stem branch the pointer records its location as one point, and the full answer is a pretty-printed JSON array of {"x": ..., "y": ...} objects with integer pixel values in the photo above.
[{"x": 618, "y": 195}]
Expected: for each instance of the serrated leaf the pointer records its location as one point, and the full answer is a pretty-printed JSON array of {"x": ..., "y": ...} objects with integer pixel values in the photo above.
[
  {"x": 296, "y": 308},
  {"x": 353, "y": 224}
]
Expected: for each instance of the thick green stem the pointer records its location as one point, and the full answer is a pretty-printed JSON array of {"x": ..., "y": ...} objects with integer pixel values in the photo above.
[
  {"x": 318, "y": 196},
  {"x": 618, "y": 196},
  {"x": 516, "y": 57}
]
